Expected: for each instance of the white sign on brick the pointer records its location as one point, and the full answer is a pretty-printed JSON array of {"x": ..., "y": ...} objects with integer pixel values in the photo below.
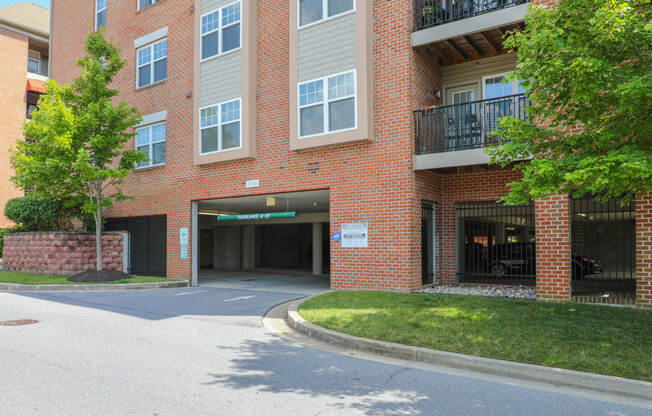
[{"x": 355, "y": 235}]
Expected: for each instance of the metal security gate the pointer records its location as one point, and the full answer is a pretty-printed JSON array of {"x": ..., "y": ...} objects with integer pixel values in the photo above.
[
  {"x": 148, "y": 243},
  {"x": 495, "y": 243},
  {"x": 430, "y": 229},
  {"x": 603, "y": 249}
]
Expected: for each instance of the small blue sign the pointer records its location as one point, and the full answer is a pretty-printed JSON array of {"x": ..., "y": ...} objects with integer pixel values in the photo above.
[{"x": 337, "y": 236}]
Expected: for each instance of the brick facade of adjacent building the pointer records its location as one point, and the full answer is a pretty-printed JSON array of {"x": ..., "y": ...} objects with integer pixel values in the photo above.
[{"x": 13, "y": 79}]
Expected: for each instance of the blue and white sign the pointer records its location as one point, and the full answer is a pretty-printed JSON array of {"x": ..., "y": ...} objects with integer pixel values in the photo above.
[
  {"x": 337, "y": 236},
  {"x": 183, "y": 241}
]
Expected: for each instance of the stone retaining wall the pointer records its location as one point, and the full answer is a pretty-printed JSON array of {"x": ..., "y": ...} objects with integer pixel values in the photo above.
[{"x": 60, "y": 253}]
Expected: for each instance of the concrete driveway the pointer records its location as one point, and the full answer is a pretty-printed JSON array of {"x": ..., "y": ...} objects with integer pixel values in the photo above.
[
  {"x": 203, "y": 351},
  {"x": 268, "y": 280}
]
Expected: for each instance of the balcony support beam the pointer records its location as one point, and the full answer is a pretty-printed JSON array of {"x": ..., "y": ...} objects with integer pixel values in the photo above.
[{"x": 458, "y": 51}]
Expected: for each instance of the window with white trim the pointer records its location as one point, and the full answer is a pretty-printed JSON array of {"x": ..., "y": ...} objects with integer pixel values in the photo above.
[
  {"x": 100, "y": 13},
  {"x": 33, "y": 62},
  {"x": 327, "y": 105},
  {"x": 220, "y": 127},
  {"x": 145, "y": 3},
  {"x": 151, "y": 140},
  {"x": 311, "y": 11},
  {"x": 152, "y": 63},
  {"x": 220, "y": 31}
]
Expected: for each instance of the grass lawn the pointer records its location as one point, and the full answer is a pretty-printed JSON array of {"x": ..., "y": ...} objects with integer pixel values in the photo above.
[
  {"x": 44, "y": 279},
  {"x": 593, "y": 338}
]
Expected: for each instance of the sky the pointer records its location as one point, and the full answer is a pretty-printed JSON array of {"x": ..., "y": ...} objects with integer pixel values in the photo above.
[{"x": 44, "y": 3}]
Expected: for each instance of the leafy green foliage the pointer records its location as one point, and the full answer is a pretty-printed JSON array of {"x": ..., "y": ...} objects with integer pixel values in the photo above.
[
  {"x": 586, "y": 67},
  {"x": 38, "y": 214},
  {"x": 75, "y": 148}
]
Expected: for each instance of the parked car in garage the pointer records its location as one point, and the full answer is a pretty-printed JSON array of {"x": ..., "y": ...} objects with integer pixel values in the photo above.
[{"x": 519, "y": 259}]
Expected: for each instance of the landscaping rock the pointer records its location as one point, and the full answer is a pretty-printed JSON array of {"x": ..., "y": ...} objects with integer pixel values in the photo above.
[
  {"x": 101, "y": 276},
  {"x": 511, "y": 292}
]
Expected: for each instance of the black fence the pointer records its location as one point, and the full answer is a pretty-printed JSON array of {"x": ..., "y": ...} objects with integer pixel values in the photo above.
[
  {"x": 603, "y": 248},
  {"x": 147, "y": 243},
  {"x": 496, "y": 243},
  {"x": 428, "y": 13},
  {"x": 465, "y": 126},
  {"x": 430, "y": 242}
]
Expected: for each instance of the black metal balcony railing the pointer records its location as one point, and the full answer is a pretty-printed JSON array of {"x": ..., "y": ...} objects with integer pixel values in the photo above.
[
  {"x": 428, "y": 13},
  {"x": 465, "y": 126}
]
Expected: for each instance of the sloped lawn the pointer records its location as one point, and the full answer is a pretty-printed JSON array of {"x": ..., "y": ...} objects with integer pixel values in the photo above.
[
  {"x": 44, "y": 279},
  {"x": 593, "y": 338}
]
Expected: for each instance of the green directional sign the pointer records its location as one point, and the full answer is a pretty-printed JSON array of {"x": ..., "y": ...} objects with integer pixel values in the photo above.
[{"x": 260, "y": 216}]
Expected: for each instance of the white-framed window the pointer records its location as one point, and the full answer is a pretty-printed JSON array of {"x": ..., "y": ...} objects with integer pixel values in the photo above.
[
  {"x": 493, "y": 86},
  {"x": 327, "y": 105},
  {"x": 146, "y": 3},
  {"x": 221, "y": 31},
  {"x": 100, "y": 13},
  {"x": 152, "y": 63},
  {"x": 151, "y": 140},
  {"x": 312, "y": 11},
  {"x": 34, "y": 62},
  {"x": 220, "y": 127}
]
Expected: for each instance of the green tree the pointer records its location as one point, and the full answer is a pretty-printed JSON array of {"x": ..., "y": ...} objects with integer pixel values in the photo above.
[
  {"x": 585, "y": 65},
  {"x": 74, "y": 150}
]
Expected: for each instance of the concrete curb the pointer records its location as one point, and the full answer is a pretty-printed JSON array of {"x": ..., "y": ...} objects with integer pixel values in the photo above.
[
  {"x": 538, "y": 373},
  {"x": 14, "y": 287}
]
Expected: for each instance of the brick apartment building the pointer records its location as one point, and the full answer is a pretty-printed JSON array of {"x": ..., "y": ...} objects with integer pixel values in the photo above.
[
  {"x": 342, "y": 137},
  {"x": 24, "y": 52}
]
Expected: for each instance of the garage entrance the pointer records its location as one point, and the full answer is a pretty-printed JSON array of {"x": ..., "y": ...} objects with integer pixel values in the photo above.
[{"x": 271, "y": 242}]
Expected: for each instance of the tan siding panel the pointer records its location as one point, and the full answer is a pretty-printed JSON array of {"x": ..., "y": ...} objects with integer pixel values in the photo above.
[{"x": 327, "y": 48}]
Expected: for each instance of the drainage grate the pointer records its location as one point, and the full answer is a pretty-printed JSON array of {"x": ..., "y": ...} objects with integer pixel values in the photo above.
[{"x": 18, "y": 322}]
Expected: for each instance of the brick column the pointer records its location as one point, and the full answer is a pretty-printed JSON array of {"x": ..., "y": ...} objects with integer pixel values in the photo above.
[
  {"x": 644, "y": 251},
  {"x": 552, "y": 221}
]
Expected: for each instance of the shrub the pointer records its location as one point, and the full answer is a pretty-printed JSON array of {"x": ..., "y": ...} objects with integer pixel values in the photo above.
[{"x": 39, "y": 214}]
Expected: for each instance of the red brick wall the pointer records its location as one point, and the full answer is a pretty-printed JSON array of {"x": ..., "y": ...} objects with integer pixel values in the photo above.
[
  {"x": 644, "y": 251},
  {"x": 13, "y": 83},
  {"x": 59, "y": 253},
  {"x": 370, "y": 181},
  {"x": 552, "y": 219}
]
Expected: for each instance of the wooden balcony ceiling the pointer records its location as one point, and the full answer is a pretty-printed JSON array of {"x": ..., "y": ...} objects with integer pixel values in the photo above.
[{"x": 471, "y": 47}]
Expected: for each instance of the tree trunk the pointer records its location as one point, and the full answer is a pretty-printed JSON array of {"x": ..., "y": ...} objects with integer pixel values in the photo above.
[{"x": 98, "y": 238}]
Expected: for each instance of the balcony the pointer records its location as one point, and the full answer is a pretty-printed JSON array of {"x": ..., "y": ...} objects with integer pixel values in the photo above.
[
  {"x": 463, "y": 129},
  {"x": 461, "y": 28},
  {"x": 429, "y": 13}
]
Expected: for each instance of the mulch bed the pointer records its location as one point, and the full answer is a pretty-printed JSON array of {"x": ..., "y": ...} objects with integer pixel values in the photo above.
[{"x": 93, "y": 276}]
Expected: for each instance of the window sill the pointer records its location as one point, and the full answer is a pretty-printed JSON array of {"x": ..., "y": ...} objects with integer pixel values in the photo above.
[
  {"x": 138, "y": 9},
  {"x": 148, "y": 168},
  {"x": 144, "y": 87},
  {"x": 328, "y": 19},
  {"x": 36, "y": 76},
  {"x": 329, "y": 139},
  {"x": 201, "y": 61}
]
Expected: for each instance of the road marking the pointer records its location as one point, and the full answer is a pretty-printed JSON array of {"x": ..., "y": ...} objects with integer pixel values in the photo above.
[
  {"x": 240, "y": 298},
  {"x": 189, "y": 293}
]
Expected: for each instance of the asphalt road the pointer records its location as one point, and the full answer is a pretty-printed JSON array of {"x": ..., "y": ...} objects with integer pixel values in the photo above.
[{"x": 203, "y": 351}]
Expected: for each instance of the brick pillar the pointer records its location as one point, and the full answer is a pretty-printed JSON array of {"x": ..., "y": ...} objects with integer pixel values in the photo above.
[
  {"x": 644, "y": 251},
  {"x": 552, "y": 221}
]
